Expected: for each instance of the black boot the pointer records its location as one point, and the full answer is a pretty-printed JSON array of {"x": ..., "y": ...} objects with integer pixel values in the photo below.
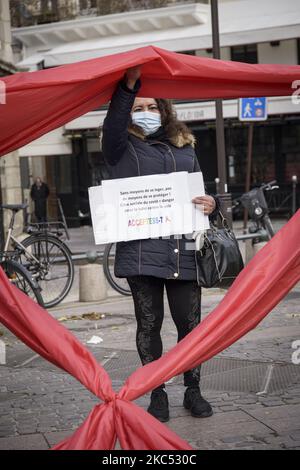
[
  {"x": 193, "y": 401},
  {"x": 159, "y": 405}
]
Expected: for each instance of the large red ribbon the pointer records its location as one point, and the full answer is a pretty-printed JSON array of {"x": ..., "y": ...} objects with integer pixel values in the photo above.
[
  {"x": 260, "y": 286},
  {"x": 38, "y": 102}
]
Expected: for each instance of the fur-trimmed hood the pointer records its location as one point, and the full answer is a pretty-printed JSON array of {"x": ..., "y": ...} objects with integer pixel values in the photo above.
[{"x": 180, "y": 140}]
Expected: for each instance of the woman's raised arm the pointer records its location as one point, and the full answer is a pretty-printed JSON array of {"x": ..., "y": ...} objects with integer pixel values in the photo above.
[{"x": 115, "y": 134}]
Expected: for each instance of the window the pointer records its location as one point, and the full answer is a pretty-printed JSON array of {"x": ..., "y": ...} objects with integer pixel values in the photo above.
[
  {"x": 192, "y": 52},
  {"x": 246, "y": 53},
  {"x": 63, "y": 173}
]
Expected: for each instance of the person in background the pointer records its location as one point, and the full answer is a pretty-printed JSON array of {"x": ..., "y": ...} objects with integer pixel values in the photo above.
[
  {"x": 39, "y": 194},
  {"x": 142, "y": 136}
]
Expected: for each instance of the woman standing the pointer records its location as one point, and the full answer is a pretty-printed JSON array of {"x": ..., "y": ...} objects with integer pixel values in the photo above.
[{"x": 142, "y": 136}]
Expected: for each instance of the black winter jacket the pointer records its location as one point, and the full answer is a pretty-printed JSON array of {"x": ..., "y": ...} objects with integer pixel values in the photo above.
[{"x": 129, "y": 155}]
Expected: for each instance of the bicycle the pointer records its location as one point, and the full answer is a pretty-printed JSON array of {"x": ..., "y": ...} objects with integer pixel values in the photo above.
[
  {"x": 20, "y": 277},
  {"x": 255, "y": 203},
  {"x": 46, "y": 258}
]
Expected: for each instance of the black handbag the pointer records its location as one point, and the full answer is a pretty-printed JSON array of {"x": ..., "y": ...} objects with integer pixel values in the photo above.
[{"x": 219, "y": 260}]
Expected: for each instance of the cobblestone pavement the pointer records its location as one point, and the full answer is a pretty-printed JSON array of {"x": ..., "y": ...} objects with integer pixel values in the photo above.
[{"x": 253, "y": 386}]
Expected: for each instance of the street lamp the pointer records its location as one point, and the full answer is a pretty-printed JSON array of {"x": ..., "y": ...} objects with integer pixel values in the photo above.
[{"x": 224, "y": 196}]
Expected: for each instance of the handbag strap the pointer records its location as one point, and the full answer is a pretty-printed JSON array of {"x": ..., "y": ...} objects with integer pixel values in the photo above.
[
  {"x": 225, "y": 224},
  {"x": 223, "y": 219}
]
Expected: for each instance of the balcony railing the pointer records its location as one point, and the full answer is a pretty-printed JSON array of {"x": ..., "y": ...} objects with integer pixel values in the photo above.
[{"x": 32, "y": 12}]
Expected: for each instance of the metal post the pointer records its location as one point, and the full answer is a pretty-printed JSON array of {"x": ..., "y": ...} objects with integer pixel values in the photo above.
[
  {"x": 224, "y": 196},
  {"x": 217, "y": 181},
  {"x": 294, "y": 202},
  {"x": 63, "y": 218},
  {"x": 2, "y": 234},
  {"x": 1, "y": 229},
  {"x": 248, "y": 170}
]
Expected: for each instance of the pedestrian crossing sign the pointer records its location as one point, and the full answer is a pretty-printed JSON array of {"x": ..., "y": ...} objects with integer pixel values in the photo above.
[{"x": 253, "y": 109}]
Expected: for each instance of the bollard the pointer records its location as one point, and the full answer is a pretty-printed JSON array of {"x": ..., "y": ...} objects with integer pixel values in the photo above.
[{"x": 92, "y": 283}]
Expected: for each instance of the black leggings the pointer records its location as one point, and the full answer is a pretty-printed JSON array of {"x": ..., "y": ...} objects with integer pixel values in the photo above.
[{"x": 184, "y": 299}]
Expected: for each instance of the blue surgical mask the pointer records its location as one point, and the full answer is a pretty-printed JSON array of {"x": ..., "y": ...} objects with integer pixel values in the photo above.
[{"x": 148, "y": 121}]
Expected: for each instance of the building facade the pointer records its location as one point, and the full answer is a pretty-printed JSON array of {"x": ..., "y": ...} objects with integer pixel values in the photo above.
[
  {"x": 10, "y": 181},
  {"x": 254, "y": 31}
]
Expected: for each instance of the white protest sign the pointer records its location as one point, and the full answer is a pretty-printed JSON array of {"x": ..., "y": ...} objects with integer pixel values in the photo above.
[{"x": 146, "y": 207}]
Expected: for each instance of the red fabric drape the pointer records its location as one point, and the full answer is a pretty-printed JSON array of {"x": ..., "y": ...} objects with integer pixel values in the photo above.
[
  {"x": 38, "y": 102},
  {"x": 259, "y": 287}
]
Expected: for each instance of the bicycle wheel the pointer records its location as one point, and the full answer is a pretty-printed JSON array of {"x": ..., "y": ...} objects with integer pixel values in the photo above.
[
  {"x": 117, "y": 283},
  {"x": 22, "y": 279},
  {"x": 54, "y": 271}
]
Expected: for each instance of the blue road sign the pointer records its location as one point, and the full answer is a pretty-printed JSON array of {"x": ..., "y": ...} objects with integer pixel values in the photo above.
[{"x": 253, "y": 109}]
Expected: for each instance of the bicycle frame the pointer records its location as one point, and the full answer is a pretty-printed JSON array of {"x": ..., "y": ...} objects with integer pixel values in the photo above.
[
  {"x": 38, "y": 253},
  {"x": 17, "y": 243}
]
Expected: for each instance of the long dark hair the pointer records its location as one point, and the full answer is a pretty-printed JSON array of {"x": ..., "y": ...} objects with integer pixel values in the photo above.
[{"x": 169, "y": 120}]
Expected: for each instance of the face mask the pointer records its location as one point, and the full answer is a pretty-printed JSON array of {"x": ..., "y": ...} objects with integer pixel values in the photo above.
[{"x": 149, "y": 122}]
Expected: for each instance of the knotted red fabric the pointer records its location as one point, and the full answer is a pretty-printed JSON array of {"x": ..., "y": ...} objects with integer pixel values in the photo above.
[
  {"x": 260, "y": 286},
  {"x": 38, "y": 102}
]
